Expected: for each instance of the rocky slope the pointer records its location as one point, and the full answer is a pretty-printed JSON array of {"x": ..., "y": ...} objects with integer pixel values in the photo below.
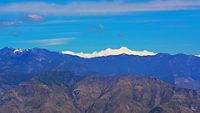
[{"x": 66, "y": 93}]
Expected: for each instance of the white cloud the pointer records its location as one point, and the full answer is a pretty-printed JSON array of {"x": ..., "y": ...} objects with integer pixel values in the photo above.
[
  {"x": 60, "y": 21},
  {"x": 97, "y": 8},
  {"x": 11, "y": 22},
  {"x": 108, "y": 52},
  {"x": 34, "y": 18},
  {"x": 49, "y": 42},
  {"x": 29, "y": 17},
  {"x": 198, "y": 55}
]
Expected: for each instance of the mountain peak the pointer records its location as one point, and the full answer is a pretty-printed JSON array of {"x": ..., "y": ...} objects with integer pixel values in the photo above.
[
  {"x": 109, "y": 51},
  {"x": 22, "y": 51},
  {"x": 19, "y": 50}
]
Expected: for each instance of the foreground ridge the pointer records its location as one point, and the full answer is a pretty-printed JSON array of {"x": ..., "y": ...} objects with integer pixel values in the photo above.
[{"x": 62, "y": 92}]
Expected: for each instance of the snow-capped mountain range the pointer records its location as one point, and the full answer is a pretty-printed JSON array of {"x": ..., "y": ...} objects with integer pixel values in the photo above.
[
  {"x": 123, "y": 61},
  {"x": 106, "y": 52},
  {"x": 109, "y": 51}
]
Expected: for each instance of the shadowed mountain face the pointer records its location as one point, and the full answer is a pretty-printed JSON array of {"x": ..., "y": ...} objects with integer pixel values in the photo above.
[
  {"x": 182, "y": 70},
  {"x": 63, "y": 92}
]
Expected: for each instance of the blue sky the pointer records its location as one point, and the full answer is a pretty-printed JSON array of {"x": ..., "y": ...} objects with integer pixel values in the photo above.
[{"x": 169, "y": 26}]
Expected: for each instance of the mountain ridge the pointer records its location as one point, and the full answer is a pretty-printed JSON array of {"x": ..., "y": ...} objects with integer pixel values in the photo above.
[
  {"x": 170, "y": 68},
  {"x": 38, "y": 80},
  {"x": 71, "y": 53}
]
